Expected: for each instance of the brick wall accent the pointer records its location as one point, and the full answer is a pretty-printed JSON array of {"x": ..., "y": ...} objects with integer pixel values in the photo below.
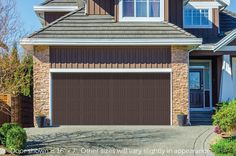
[
  {"x": 180, "y": 91},
  {"x": 41, "y": 81}
]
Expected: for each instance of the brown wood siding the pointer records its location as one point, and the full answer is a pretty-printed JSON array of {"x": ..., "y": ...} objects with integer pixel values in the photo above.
[
  {"x": 208, "y": 35},
  {"x": 52, "y": 16},
  {"x": 108, "y": 57},
  {"x": 111, "y": 99},
  {"x": 176, "y": 12},
  {"x": 101, "y": 7}
]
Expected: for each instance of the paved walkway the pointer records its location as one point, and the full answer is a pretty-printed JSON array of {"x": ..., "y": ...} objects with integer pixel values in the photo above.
[{"x": 121, "y": 141}]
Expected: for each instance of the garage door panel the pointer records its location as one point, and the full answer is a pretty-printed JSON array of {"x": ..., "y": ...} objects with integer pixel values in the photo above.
[{"x": 111, "y": 99}]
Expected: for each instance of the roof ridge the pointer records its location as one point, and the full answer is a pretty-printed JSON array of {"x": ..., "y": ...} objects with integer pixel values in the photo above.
[{"x": 55, "y": 22}]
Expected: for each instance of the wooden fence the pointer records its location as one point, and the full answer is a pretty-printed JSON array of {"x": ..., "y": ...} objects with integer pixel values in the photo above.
[
  {"x": 4, "y": 116},
  {"x": 21, "y": 110}
]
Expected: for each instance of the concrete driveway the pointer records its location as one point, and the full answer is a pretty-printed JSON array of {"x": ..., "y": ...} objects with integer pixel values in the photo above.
[{"x": 117, "y": 140}]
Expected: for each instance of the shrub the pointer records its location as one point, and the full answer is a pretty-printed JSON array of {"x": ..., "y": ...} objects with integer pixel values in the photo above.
[
  {"x": 16, "y": 139},
  {"x": 225, "y": 147},
  {"x": 225, "y": 118},
  {"x": 4, "y": 130},
  {"x": 1, "y": 137}
]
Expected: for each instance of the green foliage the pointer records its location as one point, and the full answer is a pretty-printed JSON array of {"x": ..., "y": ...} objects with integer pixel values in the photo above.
[
  {"x": 16, "y": 75},
  {"x": 226, "y": 147},
  {"x": 219, "y": 105},
  {"x": 225, "y": 117},
  {"x": 1, "y": 137},
  {"x": 27, "y": 70},
  {"x": 16, "y": 139},
  {"x": 4, "y": 130}
]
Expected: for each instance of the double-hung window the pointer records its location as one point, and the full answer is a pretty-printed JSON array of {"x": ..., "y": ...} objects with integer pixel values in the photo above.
[
  {"x": 197, "y": 18},
  {"x": 142, "y": 10}
]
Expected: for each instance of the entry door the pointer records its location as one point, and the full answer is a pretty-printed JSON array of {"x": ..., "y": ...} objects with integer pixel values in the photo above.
[{"x": 196, "y": 85}]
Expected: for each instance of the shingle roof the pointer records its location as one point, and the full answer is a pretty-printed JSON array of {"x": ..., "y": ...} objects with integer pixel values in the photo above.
[
  {"x": 227, "y": 21},
  {"x": 77, "y": 25},
  {"x": 60, "y": 3}
]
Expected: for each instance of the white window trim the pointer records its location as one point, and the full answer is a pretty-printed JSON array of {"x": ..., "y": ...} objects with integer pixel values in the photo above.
[
  {"x": 141, "y": 19},
  {"x": 209, "y": 26},
  {"x": 203, "y": 5}
]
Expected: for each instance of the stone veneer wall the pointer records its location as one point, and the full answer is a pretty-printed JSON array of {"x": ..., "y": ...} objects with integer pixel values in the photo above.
[
  {"x": 180, "y": 90},
  {"x": 41, "y": 81}
]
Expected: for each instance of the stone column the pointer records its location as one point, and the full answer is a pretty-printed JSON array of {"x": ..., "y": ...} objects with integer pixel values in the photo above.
[
  {"x": 180, "y": 90},
  {"x": 41, "y": 81}
]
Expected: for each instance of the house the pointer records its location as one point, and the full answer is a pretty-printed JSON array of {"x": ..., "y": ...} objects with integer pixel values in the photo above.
[{"x": 132, "y": 62}]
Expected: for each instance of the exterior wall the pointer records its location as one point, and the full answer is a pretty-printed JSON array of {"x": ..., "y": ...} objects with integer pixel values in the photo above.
[
  {"x": 100, "y": 7},
  {"x": 110, "y": 57},
  {"x": 208, "y": 35},
  {"x": 176, "y": 12},
  {"x": 111, "y": 7},
  {"x": 180, "y": 91},
  {"x": 178, "y": 63},
  {"x": 52, "y": 16},
  {"x": 41, "y": 80}
]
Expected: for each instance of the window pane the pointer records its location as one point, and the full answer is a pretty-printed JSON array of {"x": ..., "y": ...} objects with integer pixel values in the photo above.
[
  {"x": 196, "y": 17},
  {"x": 204, "y": 17},
  {"x": 188, "y": 17},
  {"x": 195, "y": 80},
  {"x": 128, "y": 8},
  {"x": 141, "y": 8},
  {"x": 154, "y": 8}
]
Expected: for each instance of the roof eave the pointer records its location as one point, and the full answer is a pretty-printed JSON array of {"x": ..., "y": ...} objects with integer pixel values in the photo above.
[
  {"x": 224, "y": 2},
  {"x": 223, "y": 42},
  {"x": 110, "y": 42},
  {"x": 55, "y": 8}
]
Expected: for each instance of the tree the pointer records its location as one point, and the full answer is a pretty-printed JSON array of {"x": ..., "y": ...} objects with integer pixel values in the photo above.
[
  {"x": 10, "y": 25},
  {"x": 15, "y": 76}
]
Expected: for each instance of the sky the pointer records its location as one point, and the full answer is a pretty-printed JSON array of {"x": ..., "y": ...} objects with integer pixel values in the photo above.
[{"x": 31, "y": 22}]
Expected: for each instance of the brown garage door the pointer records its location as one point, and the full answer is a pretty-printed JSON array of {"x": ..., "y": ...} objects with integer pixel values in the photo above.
[{"x": 111, "y": 99}]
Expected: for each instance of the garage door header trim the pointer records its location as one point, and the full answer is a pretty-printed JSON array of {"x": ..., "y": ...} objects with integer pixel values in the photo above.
[{"x": 109, "y": 70}]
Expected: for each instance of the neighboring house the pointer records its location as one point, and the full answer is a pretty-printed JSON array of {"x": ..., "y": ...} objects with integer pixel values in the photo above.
[{"x": 132, "y": 62}]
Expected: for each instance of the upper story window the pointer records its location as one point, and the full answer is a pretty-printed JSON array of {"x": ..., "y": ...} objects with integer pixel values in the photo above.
[
  {"x": 198, "y": 15},
  {"x": 142, "y": 10},
  {"x": 197, "y": 18}
]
